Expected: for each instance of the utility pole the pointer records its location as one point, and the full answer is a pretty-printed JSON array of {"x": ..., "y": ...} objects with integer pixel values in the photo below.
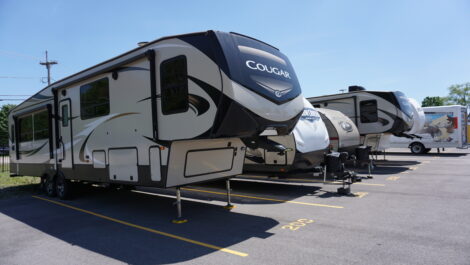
[{"x": 48, "y": 64}]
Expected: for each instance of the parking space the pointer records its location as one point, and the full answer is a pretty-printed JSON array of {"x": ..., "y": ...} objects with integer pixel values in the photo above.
[{"x": 414, "y": 211}]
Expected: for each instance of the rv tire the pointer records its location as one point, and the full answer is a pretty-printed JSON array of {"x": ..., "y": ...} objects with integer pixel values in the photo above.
[
  {"x": 49, "y": 186},
  {"x": 417, "y": 148},
  {"x": 63, "y": 186}
]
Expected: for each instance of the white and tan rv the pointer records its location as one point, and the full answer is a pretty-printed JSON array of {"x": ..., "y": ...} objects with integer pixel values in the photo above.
[
  {"x": 175, "y": 111},
  {"x": 373, "y": 112}
]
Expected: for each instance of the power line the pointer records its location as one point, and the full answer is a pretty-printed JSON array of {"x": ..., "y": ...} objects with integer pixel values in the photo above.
[
  {"x": 48, "y": 64},
  {"x": 19, "y": 77},
  {"x": 15, "y": 95}
]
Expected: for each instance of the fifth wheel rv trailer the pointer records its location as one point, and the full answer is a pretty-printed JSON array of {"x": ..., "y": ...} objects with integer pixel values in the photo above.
[
  {"x": 444, "y": 127},
  {"x": 301, "y": 150},
  {"x": 418, "y": 125},
  {"x": 175, "y": 111},
  {"x": 373, "y": 112}
]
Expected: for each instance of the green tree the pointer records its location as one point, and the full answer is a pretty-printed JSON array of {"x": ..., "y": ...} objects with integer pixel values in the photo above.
[
  {"x": 459, "y": 94},
  {"x": 4, "y": 110},
  {"x": 433, "y": 101}
]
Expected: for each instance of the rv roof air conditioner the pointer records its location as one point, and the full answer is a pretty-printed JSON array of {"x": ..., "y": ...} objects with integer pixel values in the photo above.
[{"x": 355, "y": 88}]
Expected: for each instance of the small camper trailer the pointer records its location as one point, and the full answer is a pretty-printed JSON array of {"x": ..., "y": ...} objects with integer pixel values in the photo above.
[
  {"x": 373, "y": 112},
  {"x": 444, "y": 127},
  {"x": 176, "y": 111},
  {"x": 302, "y": 150},
  {"x": 343, "y": 133}
]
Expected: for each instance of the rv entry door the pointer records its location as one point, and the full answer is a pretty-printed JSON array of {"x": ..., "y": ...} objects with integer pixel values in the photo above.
[{"x": 65, "y": 136}]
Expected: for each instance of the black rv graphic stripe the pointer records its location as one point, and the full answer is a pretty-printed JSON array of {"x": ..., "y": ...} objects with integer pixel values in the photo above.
[
  {"x": 34, "y": 151},
  {"x": 213, "y": 92},
  {"x": 200, "y": 104},
  {"x": 159, "y": 142}
]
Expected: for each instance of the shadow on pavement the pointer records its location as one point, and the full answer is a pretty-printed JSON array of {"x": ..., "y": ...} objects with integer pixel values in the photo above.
[{"x": 207, "y": 223}]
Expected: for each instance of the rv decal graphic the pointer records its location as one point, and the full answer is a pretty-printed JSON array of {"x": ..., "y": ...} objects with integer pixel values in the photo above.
[
  {"x": 265, "y": 68},
  {"x": 440, "y": 126},
  {"x": 91, "y": 128},
  {"x": 213, "y": 92},
  {"x": 277, "y": 93},
  {"x": 310, "y": 115},
  {"x": 346, "y": 126},
  {"x": 198, "y": 104},
  {"x": 34, "y": 151}
]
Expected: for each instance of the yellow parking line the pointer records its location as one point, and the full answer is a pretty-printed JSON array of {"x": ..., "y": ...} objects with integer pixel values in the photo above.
[
  {"x": 265, "y": 199},
  {"x": 393, "y": 178},
  {"x": 360, "y": 194},
  {"x": 329, "y": 182},
  {"x": 146, "y": 228}
]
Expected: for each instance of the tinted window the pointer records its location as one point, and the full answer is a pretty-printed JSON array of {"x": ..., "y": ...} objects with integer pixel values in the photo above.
[
  {"x": 65, "y": 115},
  {"x": 94, "y": 99},
  {"x": 41, "y": 125},
  {"x": 26, "y": 128},
  {"x": 405, "y": 105},
  {"x": 260, "y": 67},
  {"x": 369, "y": 112},
  {"x": 174, "y": 85}
]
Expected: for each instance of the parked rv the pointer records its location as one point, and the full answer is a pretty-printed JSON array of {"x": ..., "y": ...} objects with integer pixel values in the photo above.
[
  {"x": 175, "y": 111},
  {"x": 343, "y": 133},
  {"x": 444, "y": 127},
  {"x": 418, "y": 125},
  {"x": 302, "y": 150},
  {"x": 373, "y": 112}
]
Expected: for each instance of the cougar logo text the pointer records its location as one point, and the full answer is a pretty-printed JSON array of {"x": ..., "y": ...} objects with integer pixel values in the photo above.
[{"x": 265, "y": 68}]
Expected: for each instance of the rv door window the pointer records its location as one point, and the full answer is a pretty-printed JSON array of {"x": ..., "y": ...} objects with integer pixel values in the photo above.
[
  {"x": 41, "y": 125},
  {"x": 65, "y": 115},
  {"x": 94, "y": 99},
  {"x": 26, "y": 128},
  {"x": 368, "y": 109},
  {"x": 174, "y": 85}
]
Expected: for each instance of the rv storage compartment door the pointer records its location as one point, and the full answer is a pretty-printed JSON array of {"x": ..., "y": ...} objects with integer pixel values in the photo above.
[
  {"x": 202, "y": 162},
  {"x": 155, "y": 163},
  {"x": 123, "y": 164}
]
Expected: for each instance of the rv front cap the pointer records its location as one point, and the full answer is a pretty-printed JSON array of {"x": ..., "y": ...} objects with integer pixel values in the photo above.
[{"x": 264, "y": 68}]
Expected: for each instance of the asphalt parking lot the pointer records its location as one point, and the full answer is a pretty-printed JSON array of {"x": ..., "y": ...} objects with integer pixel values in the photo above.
[{"x": 416, "y": 210}]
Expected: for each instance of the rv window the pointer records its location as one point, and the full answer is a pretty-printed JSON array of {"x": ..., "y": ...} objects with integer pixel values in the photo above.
[
  {"x": 65, "y": 115},
  {"x": 94, "y": 99},
  {"x": 174, "y": 85},
  {"x": 26, "y": 128},
  {"x": 369, "y": 112},
  {"x": 41, "y": 125}
]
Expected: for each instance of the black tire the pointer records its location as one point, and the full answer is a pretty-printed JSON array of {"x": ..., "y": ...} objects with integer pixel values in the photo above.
[
  {"x": 427, "y": 150},
  {"x": 63, "y": 187},
  {"x": 417, "y": 148},
  {"x": 50, "y": 187}
]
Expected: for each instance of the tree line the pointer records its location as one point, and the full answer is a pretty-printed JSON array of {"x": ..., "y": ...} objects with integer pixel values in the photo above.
[{"x": 458, "y": 95}]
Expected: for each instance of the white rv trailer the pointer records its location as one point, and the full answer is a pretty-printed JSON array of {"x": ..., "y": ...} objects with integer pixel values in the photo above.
[
  {"x": 444, "y": 127},
  {"x": 173, "y": 112},
  {"x": 301, "y": 150},
  {"x": 373, "y": 112},
  {"x": 343, "y": 133},
  {"x": 418, "y": 125}
]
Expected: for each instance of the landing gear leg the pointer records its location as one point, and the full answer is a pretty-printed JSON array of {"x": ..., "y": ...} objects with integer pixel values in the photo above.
[
  {"x": 179, "y": 219},
  {"x": 369, "y": 165},
  {"x": 229, "y": 206}
]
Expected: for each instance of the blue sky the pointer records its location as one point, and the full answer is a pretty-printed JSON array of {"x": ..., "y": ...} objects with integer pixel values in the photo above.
[{"x": 418, "y": 47}]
